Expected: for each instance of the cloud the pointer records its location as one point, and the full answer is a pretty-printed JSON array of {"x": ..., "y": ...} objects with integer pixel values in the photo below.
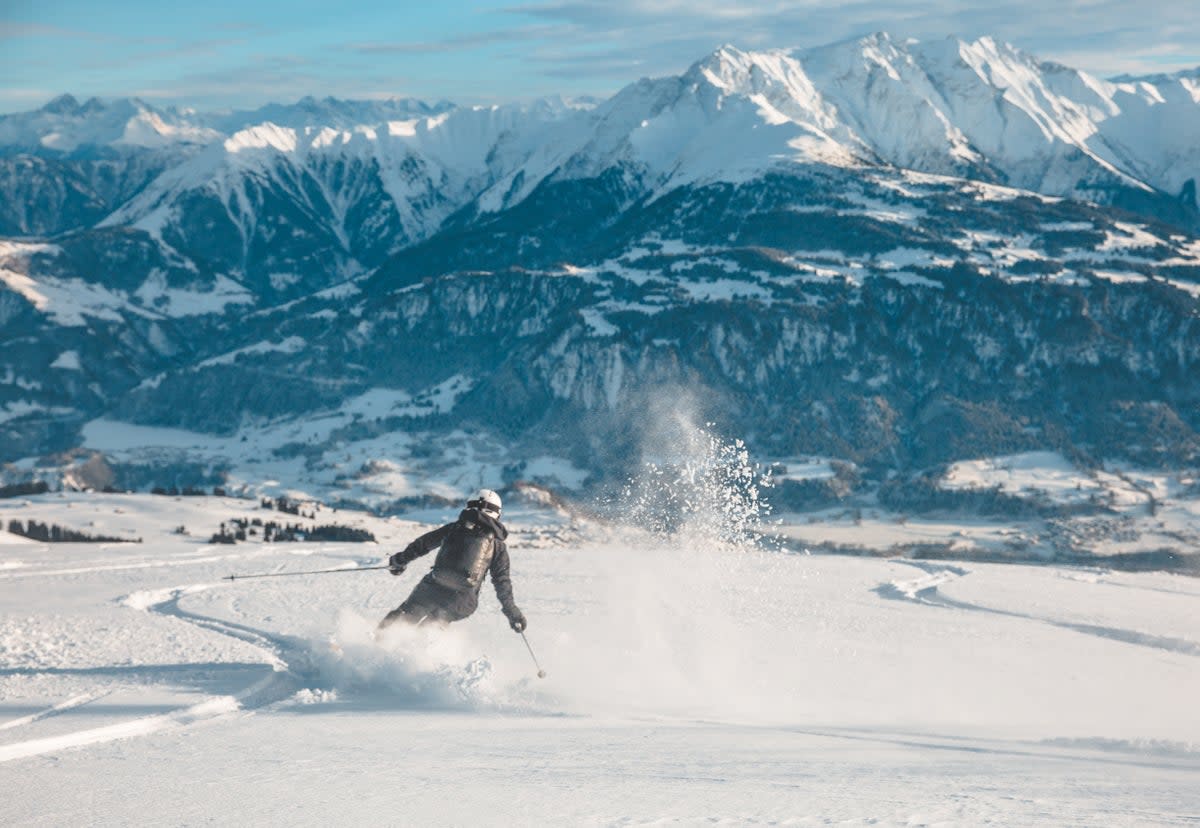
[
  {"x": 457, "y": 43},
  {"x": 163, "y": 50},
  {"x": 15, "y": 30},
  {"x": 272, "y": 79}
]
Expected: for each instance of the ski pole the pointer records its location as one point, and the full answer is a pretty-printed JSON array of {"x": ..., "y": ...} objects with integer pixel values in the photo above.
[
  {"x": 309, "y": 572},
  {"x": 541, "y": 672}
]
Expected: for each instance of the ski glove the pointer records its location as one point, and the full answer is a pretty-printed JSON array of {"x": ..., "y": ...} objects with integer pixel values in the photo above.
[
  {"x": 516, "y": 619},
  {"x": 395, "y": 565}
]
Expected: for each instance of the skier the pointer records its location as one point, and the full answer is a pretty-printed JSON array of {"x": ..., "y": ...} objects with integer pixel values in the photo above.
[{"x": 471, "y": 546}]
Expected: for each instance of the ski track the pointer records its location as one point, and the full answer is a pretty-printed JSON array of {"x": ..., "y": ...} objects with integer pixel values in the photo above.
[
  {"x": 1099, "y": 580},
  {"x": 925, "y": 591},
  {"x": 293, "y": 662},
  {"x": 205, "y": 710},
  {"x": 283, "y": 653},
  {"x": 283, "y": 681},
  {"x": 61, "y": 707},
  {"x": 1147, "y": 753}
]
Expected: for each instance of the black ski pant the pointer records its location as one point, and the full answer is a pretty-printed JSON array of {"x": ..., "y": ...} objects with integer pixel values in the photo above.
[{"x": 432, "y": 602}]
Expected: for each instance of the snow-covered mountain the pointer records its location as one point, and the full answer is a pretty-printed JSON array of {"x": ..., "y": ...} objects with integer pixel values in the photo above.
[
  {"x": 891, "y": 252},
  {"x": 269, "y": 196},
  {"x": 65, "y": 125},
  {"x": 980, "y": 109}
]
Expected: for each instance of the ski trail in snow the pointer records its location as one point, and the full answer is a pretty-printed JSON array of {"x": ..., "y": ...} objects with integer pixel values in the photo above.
[
  {"x": 416, "y": 670},
  {"x": 1099, "y": 577},
  {"x": 1146, "y": 753},
  {"x": 205, "y": 710},
  {"x": 279, "y": 684},
  {"x": 925, "y": 591},
  {"x": 280, "y": 652},
  {"x": 425, "y": 672},
  {"x": 69, "y": 704}
]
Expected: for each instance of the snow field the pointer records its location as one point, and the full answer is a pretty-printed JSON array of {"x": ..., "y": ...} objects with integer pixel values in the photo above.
[{"x": 687, "y": 683}]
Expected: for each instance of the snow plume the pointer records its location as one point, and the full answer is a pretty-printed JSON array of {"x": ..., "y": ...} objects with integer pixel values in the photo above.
[
  {"x": 695, "y": 485},
  {"x": 424, "y": 667},
  {"x": 674, "y": 622}
]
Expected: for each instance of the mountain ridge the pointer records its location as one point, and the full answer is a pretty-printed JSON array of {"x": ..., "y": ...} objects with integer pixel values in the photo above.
[{"x": 974, "y": 109}]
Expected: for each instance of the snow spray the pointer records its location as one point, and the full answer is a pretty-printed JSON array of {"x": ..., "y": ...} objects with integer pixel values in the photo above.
[
  {"x": 701, "y": 488},
  {"x": 668, "y": 625},
  {"x": 413, "y": 667}
]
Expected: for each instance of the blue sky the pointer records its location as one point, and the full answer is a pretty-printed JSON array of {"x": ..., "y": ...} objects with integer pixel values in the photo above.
[{"x": 221, "y": 53}]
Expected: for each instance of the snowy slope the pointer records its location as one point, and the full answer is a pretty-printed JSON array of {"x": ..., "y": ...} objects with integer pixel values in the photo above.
[
  {"x": 980, "y": 109},
  {"x": 963, "y": 108},
  {"x": 419, "y": 170},
  {"x": 758, "y": 689}
]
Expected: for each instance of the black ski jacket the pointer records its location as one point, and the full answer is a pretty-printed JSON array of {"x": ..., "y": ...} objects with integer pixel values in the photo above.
[{"x": 500, "y": 562}]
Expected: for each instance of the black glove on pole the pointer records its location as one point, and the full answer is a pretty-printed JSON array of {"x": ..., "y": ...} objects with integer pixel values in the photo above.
[{"x": 516, "y": 619}]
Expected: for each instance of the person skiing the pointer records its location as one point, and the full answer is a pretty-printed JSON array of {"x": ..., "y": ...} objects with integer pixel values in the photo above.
[{"x": 472, "y": 545}]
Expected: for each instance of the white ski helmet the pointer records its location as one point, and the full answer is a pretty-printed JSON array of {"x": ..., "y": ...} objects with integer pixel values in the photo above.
[{"x": 487, "y": 501}]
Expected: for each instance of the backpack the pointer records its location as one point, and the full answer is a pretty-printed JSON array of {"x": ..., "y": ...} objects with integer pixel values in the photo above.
[{"x": 465, "y": 555}]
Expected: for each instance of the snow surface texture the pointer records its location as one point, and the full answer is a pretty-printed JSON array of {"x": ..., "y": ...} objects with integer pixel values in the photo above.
[{"x": 692, "y": 678}]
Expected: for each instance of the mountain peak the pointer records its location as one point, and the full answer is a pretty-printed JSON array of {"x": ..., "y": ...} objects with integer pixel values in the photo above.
[
  {"x": 998, "y": 49},
  {"x": 734, "y": 70},
  {"x": 723, "y": 56},
  {"x": 65, "y": 104},
  {"x": 728, "y": 51},
  {"x": 68, "y": 105},
  {"x": 879, "y": 40},
  {"x": 93, "y": 104}
]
